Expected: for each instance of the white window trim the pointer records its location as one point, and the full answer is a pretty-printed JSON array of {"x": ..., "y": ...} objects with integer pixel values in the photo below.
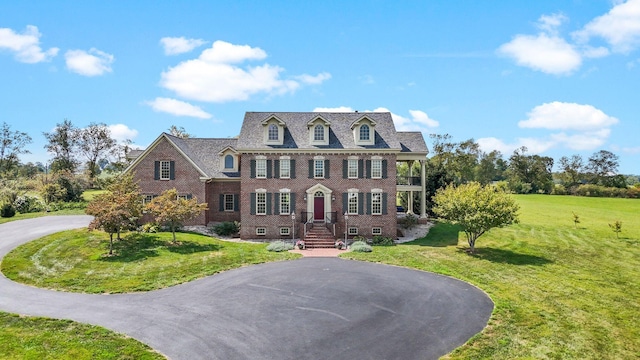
[
  {"x": 352, "y": 195},
  {"x": 288, "y": 162},
  {"x": 261, "y": 231},
  {"x": 349, "y": 162},
  {"x": 315, "y": 168},
  {"x": 162, "y": 169},
  {"x": 258, "y": 196},
  {"x": 288, "y": 203},
  {"x": 258, "y": 174},
  {"x": 379, "y": 201},
  {"x": 379, "y": 162},
  {"x": 376, "y": 231},
  {"x": 285, "y": 231},
  {"x": 352, "y": 230}
]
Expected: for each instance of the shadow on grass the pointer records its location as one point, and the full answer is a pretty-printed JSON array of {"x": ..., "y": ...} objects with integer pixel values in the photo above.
[
  {"x": 507, "y": 257},
  {"x": 440, "y": 235},
  {"x": 136, "y": 247}
]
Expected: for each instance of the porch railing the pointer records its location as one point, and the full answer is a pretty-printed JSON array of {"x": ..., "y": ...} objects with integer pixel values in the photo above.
[{"x": 408, "y": 180}]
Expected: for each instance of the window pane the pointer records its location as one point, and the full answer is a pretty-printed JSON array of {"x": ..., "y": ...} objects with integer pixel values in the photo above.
[
  {"x": 319, "y": 168},
  {"x": 261, "y": 168},
  {"x": 376, "y": 203},
  {"x": 284, "y": 203},
  {"x": 273, "y": 132},
  {"x": 285, "y": 168},
  {"x": 364, "y": 132},
  {"x": 353, "y": 169},
  {"x": 165, "y": 170},
  {"x": 376, "y": 168},
  {"x": 261, "y": 203},
  {"x": 228, "y": 162},
  {"x": 353, "y": 203},
  {"x": 318, "y": 133},
  {"x": 228, "y": 202}
]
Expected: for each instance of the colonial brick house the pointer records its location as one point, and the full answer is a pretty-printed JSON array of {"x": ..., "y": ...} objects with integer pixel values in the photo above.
[{"x": 292, "y": 174}]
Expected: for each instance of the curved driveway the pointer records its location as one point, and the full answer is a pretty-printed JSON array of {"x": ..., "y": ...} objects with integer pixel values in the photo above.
[{"x": 311, "y": 308}]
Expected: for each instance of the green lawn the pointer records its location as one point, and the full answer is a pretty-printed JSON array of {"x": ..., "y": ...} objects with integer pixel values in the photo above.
[
  {"x": 76, "y": 260},
  {"x": 560, "y": 292},
  {"x": 41, "y": 338}
]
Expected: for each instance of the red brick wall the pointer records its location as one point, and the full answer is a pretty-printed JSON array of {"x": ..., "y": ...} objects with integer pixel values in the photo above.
[
  {"x": 301, "y": 183},
  {"x": 187, "y": 178},
  {"x": 214, "y": 189}
]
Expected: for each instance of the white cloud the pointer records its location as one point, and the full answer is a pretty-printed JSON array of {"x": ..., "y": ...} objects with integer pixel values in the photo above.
[
  {"x": 422, "y": 118},
  {"x": 91, "y": 63},
  {"x": 177, "y": 108},
  {"x": 549, "y": 54},
  {"x": 582, "y": 141},
  {"x": 569, "y": 116},
  {"x": 591, "y": 52},
  {"x": 314, "y": 80},
  {"x": 212, "y": 77},
  {"x": 121, "y": 132},
  {"x": 535, "y": 146},
  {"x": 419, "y": 120},
  {"x": 25, "y": 46},
  {"x": 179, "y": 45},
  {"x": 631, "y": 150},
  {"x": 620, "y": 27},
  {"x": 550, "y": 23}
]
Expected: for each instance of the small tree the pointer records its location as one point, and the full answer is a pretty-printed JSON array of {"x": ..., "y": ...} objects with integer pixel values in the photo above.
[
  {"x": 616, "y": 227},
  {"x": 576, "y": 219},
  {"x": 475, "y": 208},
  {"x": 172, "y": 211},
  {"x": 117, "y": 209}
]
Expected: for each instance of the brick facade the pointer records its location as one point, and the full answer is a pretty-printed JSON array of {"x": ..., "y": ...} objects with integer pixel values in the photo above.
[{"x": 217, "y": 211}]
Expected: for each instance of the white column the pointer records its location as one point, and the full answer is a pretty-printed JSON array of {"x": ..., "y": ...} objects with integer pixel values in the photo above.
[
  {"x": 423, "y": 182},
  {"x": 410, "y": 203}
]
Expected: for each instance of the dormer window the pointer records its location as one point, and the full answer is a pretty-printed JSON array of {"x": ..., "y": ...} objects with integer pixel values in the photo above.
[
  {"x": 228, "y": 159},
  {"x": 364, "y": 132},
  {"x": 318, "y": 133},
  {"x": 273, "y": 132},
  {"x": 228, "y": 162}
]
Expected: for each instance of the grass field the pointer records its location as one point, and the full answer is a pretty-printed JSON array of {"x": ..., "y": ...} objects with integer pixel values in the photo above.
[
  {"x": 560, "y": 291},
  {"x": 76, "y": 260}
]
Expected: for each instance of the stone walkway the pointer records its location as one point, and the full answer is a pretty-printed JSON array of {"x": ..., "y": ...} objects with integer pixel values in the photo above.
[{"x": 322, "y": 252}]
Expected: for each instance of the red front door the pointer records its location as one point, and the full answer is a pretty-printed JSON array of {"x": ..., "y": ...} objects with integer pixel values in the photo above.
[{"x": 318, "y": 208}]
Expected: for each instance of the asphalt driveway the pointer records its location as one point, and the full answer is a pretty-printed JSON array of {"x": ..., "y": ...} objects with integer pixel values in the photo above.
[{"x": 311, "y": 308}]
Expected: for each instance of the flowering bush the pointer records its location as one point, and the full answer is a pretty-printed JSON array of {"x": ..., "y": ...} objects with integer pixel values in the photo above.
[
  {"x": 339, "y": 245},
  {"x": 300, "y": 244}
]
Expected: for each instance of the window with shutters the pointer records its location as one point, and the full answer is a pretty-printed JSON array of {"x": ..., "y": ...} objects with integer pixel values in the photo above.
[
  {"x": 261, "y": 168},
  {"x": 261, "y": 203},
  {"x": 376, "y": 168},
  {"x": 376, "y": 203},
  {"x": 228, "y": 202},
  {"x": 318, "y": 167},
  {"x": 165, "y": 170},
  {"x": 352, "y": 170},
  {"x": 285, "y": 168},
  {"x": 285, "y": 203},
  {"x": 352, "y": 203}
]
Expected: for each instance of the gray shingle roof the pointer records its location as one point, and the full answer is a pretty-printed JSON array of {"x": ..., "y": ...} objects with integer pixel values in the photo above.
[
  {"x": 204, "y": 153},
  {"x": 296, "y": 135},
  {"x": 412, "y": 141}
]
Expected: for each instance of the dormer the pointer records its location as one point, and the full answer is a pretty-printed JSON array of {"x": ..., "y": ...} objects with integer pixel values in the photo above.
[
  {"x": 318, "y": 131},
  {"x": 228, "y": 159},
  {"x": 273, "y": 129},
  {"x": 364, "y": 132}
]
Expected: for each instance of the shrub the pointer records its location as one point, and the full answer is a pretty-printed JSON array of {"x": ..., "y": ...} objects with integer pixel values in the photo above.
[
  {"x": 409, "y": 221},
  {"x": 227, "y": 228},
  {"x": 279, "y": 246},
  {"x": 361, "y": 246},
  {"x": 150, "y": 227},
  {"x": 7, "y": 210},
  {"x": 380, "y": 240},
  {"x": 559, "y": 190},
  {"x": 28, "y": 204},
  {"x": 57, "y": 206},
  {"x": 361, "y": 239}
]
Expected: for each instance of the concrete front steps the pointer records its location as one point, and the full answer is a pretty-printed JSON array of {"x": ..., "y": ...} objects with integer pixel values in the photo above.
[{"x": 319, "y": 237}]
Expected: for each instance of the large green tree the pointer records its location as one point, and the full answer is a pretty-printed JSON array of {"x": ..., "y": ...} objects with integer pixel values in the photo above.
[
  {"x": 476, "y": 208},
  {"x": 12, "y": 144},
  {"x": 530, "y": 173},
  {"x": 95, "y": 142},
  {"x": 117, "y": 209},
  {"x": 63, "y": 143},
  {"x": 572, "y": 170},
  {"x": 172, "y": 210}
]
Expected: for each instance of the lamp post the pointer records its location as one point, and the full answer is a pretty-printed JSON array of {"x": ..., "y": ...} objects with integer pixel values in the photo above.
[
  {"x": 293, "y": 227},
  {"x": 346, "y": 227}
]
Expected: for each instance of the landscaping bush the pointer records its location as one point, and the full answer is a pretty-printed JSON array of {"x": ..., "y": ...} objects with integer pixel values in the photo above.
[
  {"x": 7, "y": 210},
  {"x": 409, "y": 221},
  {"x": 380, "y": 240},
  {"x": 79, "y": 205},
  {"x": 151, "y": 227},
  {"x": 361, "y": 246},
  {"x": 227, "y": 228},
  {"x": 559, "y": 190},
  {"x": 279, "y": 246},
  {"x": 591, "y": 190},
  {"x": 28, "y": 204}
]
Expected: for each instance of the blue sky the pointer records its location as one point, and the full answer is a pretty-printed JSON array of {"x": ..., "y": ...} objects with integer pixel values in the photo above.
[{"x": 560, "y": 77}]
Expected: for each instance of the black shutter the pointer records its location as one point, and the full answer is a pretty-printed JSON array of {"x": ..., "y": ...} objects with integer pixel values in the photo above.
[
  {"x": 368, "y": 175},
  {"x": 221, "y": 207},
  {"x": 269, "y": 169},
  {"x": 268, "y": 203},
  {"x": 172, "y": 170},
  {"x": 236, "y": 202},
  {"x": 292, "y": 164},
  {"x": 368, "y": 204},
  {"x": 310, "y": 169},
  {"x": 292, "y": 201},
  {"x": 189, "y": 196},
  {"x": 384, "y": 203},
  {"x": 276, "y": 169},
  {"x": 276, "y": 203},
  {"x": 326, "y": 169},
  {"x": 253, "y": 168},
  {"x": 156, "y": 170},
  {"x": 361, "y": 169},
  {"x": 384, "y": 169},
  {"x": 361, "y": 203},
  {"x": 253, "y": 204},
  {"x": 345, "y": 202},
  {"x": 345, "y": 166}
]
